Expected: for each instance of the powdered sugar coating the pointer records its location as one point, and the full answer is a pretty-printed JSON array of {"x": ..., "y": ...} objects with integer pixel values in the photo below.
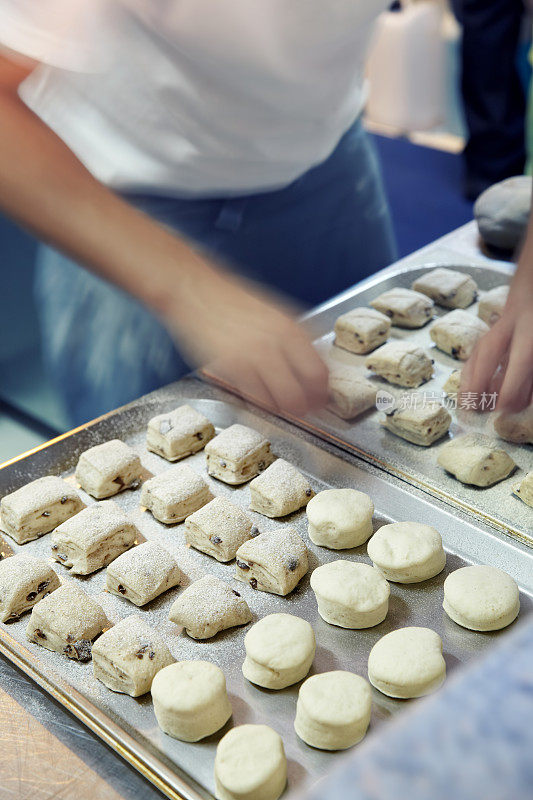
[
  {"x": 279, "y": 490},
  {"x": 110, "y": 457},
  {"x": 146, "y": 568},
  {"x": 275, "y": 561},
  {"x": 20, "y": 575},
  {"x": 218, "y": 528},
  {"x": 182, "y": 421},
  {"x": 69, "y": 612},
  {"x": 235, "y": 443},
  {"x": 94, "y": 524},
  {"x": 176, "y": 485},
  {"x": 42, "y": 492},
  {"x": 208, "y": 606}
]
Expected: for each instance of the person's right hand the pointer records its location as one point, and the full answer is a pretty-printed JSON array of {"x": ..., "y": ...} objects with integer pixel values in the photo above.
[{"x": 249, "y": 341}]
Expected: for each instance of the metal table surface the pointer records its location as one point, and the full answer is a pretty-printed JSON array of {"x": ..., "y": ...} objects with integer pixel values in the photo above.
[{"x": 44, "y": 751}]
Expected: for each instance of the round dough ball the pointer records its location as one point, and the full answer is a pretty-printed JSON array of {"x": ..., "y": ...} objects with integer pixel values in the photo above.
[
  {"x": 407, "y": 662},
  {"x": 350, "y": 594},
  {"x": 333, "y": 710},
  {"x": 481, "y": 598},
  {"x": 250, "y": 764},
  {"x": 190, "y": 700},
  {"x": 407, "y": 552},
  {"x": 279, "y": 651},
  {"x": 340, "y": 518}
]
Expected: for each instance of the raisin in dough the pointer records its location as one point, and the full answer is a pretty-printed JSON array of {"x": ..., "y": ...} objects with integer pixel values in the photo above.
[
  {"x": 407, "y": 552},
  {"x": 475, "y": 459},
  {"x": 108, "y": 468},
  {"x": 127, "y": 657},
  {"x": 481, "y": 598},
  {"x": 492, "y": 303},
  {"x": 179, "y": 433},
  {"x": 457, "y": 333},
  {"x": 407, "y": 663},
  {"x": 453, "y": 382},
  {"x": 237, "y": 454},
  {"x": 218, "y": 529},
  {"x": 280, "y": 649},
  {"x": 38, "y": 507},
  {"x": 274, "y": 561},
  {"x": 143, "y": 573},
  {"x": 447, "y": 287},
  {"x": 524, "y": 489},
  {"x": 333, "y": 710},
  {"x": 402, "y": 363},
  {"x": 279, "y": 490},
  {"x": 350, "y": 594},
  {"x": 420, "y": 421},
  {"x": 250, "y": 764},
  {"x": 340, "y": 518},
  {"x": 24, "y": 580},
  {"x": 517, "y": 427},
  {"x": 350, "y": 393},
  {"x": 67, "y": 621},
  {"x": 93, "y": 538},
  {"x": 208, "y": 606},
  {"x": 190, "y": 700},
  {"x": 361, "y": 330},
  {"x": 405, "y": 307},
  {"x": 174, "y": 494}
]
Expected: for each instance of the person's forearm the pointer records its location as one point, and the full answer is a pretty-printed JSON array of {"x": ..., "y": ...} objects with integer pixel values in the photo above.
[{"x": 47, "y": 190}]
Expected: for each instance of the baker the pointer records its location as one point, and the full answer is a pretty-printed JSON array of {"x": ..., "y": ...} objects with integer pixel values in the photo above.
[{"x": 205, "y": 164}]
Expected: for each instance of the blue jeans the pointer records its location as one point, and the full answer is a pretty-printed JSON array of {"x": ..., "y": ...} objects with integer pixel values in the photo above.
[{"x": 319, "y": 235}]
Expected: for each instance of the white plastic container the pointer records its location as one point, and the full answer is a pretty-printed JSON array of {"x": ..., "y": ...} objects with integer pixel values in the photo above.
[{"x": 405, "y": 68}]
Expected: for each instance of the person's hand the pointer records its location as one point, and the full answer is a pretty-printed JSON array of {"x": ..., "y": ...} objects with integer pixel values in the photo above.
[
  {"x": 502, "y": 361},
  {"x": 242, "y": 336}
]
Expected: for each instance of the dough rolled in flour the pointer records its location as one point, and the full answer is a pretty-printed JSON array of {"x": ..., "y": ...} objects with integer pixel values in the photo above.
[
  {"x": 250, "y": 764},
  {"x": 405, "y": 307},
  {"x": 237, "y": 455},
  {"x": 457, "y": 333},
  {"x": 218, "y": 529},
  {"x": 108, "y": 468},
  {"x": 280, "y": 490},
  {"x": 24, "y": 580},
  {"x": 402, "y": 363},
  {"x": 516, "y": 427},
  {"x": 208, "y": 606},
  {"x": 280, "y": 649},
  {"x": 492, "y": 303},
  {"x": 350, "y": 393},
  {"x": 340, "y": 518},
  {"x": 175, "y": 493},
  {"x": 275, "y": 561},
  {"x": 38, "y": 507},
  {"x": 361, "y": 330},
  {"x": 447, "y": 287},
  {"x": 143, "y": 573},
  {"x": 475, "y": 459},
  {"x": 420, "y": 421},
  {"x": 179, "y": 433}
]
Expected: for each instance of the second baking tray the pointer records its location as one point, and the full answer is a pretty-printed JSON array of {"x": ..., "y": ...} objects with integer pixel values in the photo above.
[{"x": 128, "y": 725}]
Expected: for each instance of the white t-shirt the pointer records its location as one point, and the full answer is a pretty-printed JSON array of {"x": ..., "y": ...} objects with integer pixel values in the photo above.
[{"x": 194, "y": 97}]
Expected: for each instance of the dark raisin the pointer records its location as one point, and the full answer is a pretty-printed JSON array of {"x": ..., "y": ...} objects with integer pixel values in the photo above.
[
  {"x": 308, "y": 492},
  {"x": 389, "y": 312},
  {"x": 429, "y": 430},
  {"x": 64, "y": 499},
  {"x": 121, "y": 589},
  {"x": 255, "y": 531},
  {"x": 165, "y": 426},
  {"x": 293, "y": 563},
  {"x": 223, "y": 464},
  {"x": 42, "y": 586},
  {"x": 38, "y": 632},
  {"x": 199, "y": 436},
  {"x": 455, "y": 352},
  {"x": 119, "y": 481},
  {"x": 54, "y": 547},
  {"x": 151, "y": 655},
  {"x": 382, "y": 333},
  {"x": 253, "y": 583},
  {"x": 235, "y": 593},
  {"x": 216, "y": 539},
  {"x": 243, "y": 565},
  {"x": 45, "y": 514},
  {"x": 81, "y": 650},
  {"x": 31, "y": 596}
]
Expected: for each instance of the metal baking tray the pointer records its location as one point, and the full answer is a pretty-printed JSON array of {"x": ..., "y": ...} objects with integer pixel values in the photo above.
[
  {"x": 417, "y": 465},
  {"x": 128, "y": 725}
]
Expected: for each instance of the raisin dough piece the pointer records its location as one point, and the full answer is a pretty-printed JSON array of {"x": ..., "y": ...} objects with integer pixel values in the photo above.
[
  {"x": 402, "y": 363},
  {"x": 280, "y": 490},
  {"x": 492, "y": 303},
  {"x": 38, "y": 507},
  {"x": 274, "y": 561},
  {"x": 208, "y": 606},
  {"x": 405, "y": 307},
  {"x": 143, "y": 573},
  {"x": 481, "y": 598},
  {"x": 333, "y": 710},
  {"x": 421, "y": 422},
  {"x": 280, "y": 649},
  {"x": 108, "y": 468},
  {"x": 524, "y": 489},
  {"x": 340, "y": 518},
  {"x": 237, "y": 454},
  {"x": 250, "y": 764},
  {"x": 407, "y": 552},
  {"x": 361, "y": 330},
  {"x": 350, "y": 594},
  {"x": 517, "y": 428},
  {"x": 218, "y": 529},
  {"x": 24, "y": 580},
  {"x": 190, "y": 700},
  {"x": 447, "y": 287},
  {"x": 453, "y": 382},
  {"x": 179, "y": 433},
  {"x": 67, "y": 621},
  {"x": 127, "y": 657},
  {"x": 175, "y": 494},
  {"x": 475, "y": 459},
  {"x": 93, "y": 538},
  {"x": 457, "y": 333},
  {"x": 407, "y": 663},
  {"x": 350, "y": 393}
]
